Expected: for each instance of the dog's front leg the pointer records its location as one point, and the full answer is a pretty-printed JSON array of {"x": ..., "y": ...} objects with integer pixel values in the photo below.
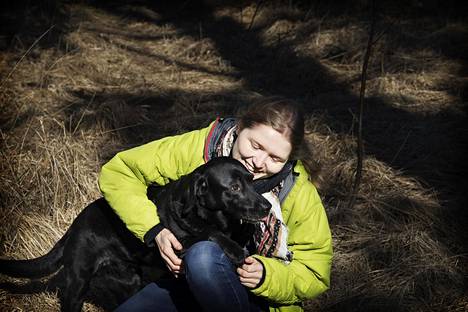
[{"x": 230, "y": 247}]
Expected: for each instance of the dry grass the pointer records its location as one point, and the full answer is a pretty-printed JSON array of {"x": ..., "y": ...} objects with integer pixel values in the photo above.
[{"x": 105, "y": 79}]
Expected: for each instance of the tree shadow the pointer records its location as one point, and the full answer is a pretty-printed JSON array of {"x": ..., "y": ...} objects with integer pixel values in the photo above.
[
  {"x": 279, "y": 70},
  {"x": 34, "y": 24},
  {"x": 148, "y": 54},
  {"x": 362, "y": 303},
  {"x": 141, "y": 117},
  {"x": 401, "y": 138},
  {"x": 428, "y": 146}
]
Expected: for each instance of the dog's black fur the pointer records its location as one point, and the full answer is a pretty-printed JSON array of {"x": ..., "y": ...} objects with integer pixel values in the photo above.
[{"x": 99, "y": 251}]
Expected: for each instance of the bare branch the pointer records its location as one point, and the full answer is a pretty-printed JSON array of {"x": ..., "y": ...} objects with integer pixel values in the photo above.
[
  {"x": 360, "y": 144},
  {"x": 257, "y": 8}
]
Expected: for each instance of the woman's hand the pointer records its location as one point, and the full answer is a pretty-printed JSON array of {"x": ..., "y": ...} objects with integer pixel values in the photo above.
[
  {"x": 251, "y": 272},
  {"x": 167, "y": 243}
]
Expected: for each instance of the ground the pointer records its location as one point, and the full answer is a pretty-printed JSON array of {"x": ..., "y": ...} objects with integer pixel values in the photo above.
[{"x": 82, "y": 80}]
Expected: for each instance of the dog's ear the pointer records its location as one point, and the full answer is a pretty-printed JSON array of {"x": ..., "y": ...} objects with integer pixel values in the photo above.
[
  {"x": 200, "y": 189},
  {"x": 201, "y": 185}
]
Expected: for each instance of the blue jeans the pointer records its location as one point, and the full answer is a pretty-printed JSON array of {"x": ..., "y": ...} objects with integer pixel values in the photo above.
[{"x": 210, "y": 284}]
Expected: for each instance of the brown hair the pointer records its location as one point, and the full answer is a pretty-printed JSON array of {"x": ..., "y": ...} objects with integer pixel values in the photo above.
[{"x": 286, "y": 117}]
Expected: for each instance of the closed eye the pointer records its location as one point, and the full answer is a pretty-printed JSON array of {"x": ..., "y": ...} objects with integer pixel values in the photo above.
[
  {"x": 278, "y": 160},
  {"x": 255, "y": 145}
]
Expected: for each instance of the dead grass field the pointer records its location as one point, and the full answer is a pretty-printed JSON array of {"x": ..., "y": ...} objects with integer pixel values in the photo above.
[{"x": 82, "y": 80}]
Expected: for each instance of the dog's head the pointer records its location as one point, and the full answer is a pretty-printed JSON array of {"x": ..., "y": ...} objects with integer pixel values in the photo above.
[{"x": 224, "y": 184}]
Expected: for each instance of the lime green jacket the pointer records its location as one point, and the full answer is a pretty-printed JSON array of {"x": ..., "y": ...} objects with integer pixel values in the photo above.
[{"x": 125, "y": 178}]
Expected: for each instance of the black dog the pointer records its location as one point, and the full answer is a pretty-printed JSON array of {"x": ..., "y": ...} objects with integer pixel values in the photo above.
[{"x": 99, "y": 252}]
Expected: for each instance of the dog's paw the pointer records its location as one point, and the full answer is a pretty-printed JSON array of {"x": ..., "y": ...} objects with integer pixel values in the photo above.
[{"x": 237, "y": 260}]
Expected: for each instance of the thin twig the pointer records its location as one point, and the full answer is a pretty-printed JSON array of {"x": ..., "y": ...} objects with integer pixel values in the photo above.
[
  {"x": 384, "y": 32},
  {"x": 84, "y": 112},
  {"x": 401, "y": 148},
  {"x": 24, "y": 55},
  {"x": 257, "y": 8},
  {"x": 121, "y": 128},
  {"x": 360, "y": 145}
]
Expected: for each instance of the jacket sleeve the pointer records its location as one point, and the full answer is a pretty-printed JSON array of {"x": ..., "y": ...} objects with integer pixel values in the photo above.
[
  {"x": 308, "y": 274},
  {"x": 124, "y": 179}
]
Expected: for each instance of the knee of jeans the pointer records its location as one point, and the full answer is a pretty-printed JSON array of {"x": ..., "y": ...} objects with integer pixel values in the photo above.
[{"x": 202, "y": 258}]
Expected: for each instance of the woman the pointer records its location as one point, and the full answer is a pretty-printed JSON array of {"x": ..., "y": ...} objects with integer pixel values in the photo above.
[{"x": 293, "y": 251}]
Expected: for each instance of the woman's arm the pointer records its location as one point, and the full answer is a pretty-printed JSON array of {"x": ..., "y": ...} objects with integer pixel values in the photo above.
[
  {"x": 125, "y": 178},
  {"x": 308, "y": 275}
]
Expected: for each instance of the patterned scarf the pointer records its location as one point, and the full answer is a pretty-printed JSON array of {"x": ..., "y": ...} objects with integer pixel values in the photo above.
[{"x": 271, "y": 234}]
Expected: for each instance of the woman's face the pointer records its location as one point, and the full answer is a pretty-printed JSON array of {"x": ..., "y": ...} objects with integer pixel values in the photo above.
[{"x": 262, "y": 150}]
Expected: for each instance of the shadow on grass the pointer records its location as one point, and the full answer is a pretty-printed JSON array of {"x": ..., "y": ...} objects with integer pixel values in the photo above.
[
  {"x": 426, "y": 145},
  {"x": 38, "y": 24},
  {"x": 416, "y": 142},
  {"x": 144, "y": 116},
  {"x": 366, "y": 303}
]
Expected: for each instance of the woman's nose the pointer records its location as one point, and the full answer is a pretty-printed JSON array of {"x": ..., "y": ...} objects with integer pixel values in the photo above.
[{"x": 259, "y": 159}]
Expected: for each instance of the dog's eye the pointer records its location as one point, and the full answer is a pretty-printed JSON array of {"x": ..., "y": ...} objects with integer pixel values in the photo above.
[{"x": 235, "y": 188}]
